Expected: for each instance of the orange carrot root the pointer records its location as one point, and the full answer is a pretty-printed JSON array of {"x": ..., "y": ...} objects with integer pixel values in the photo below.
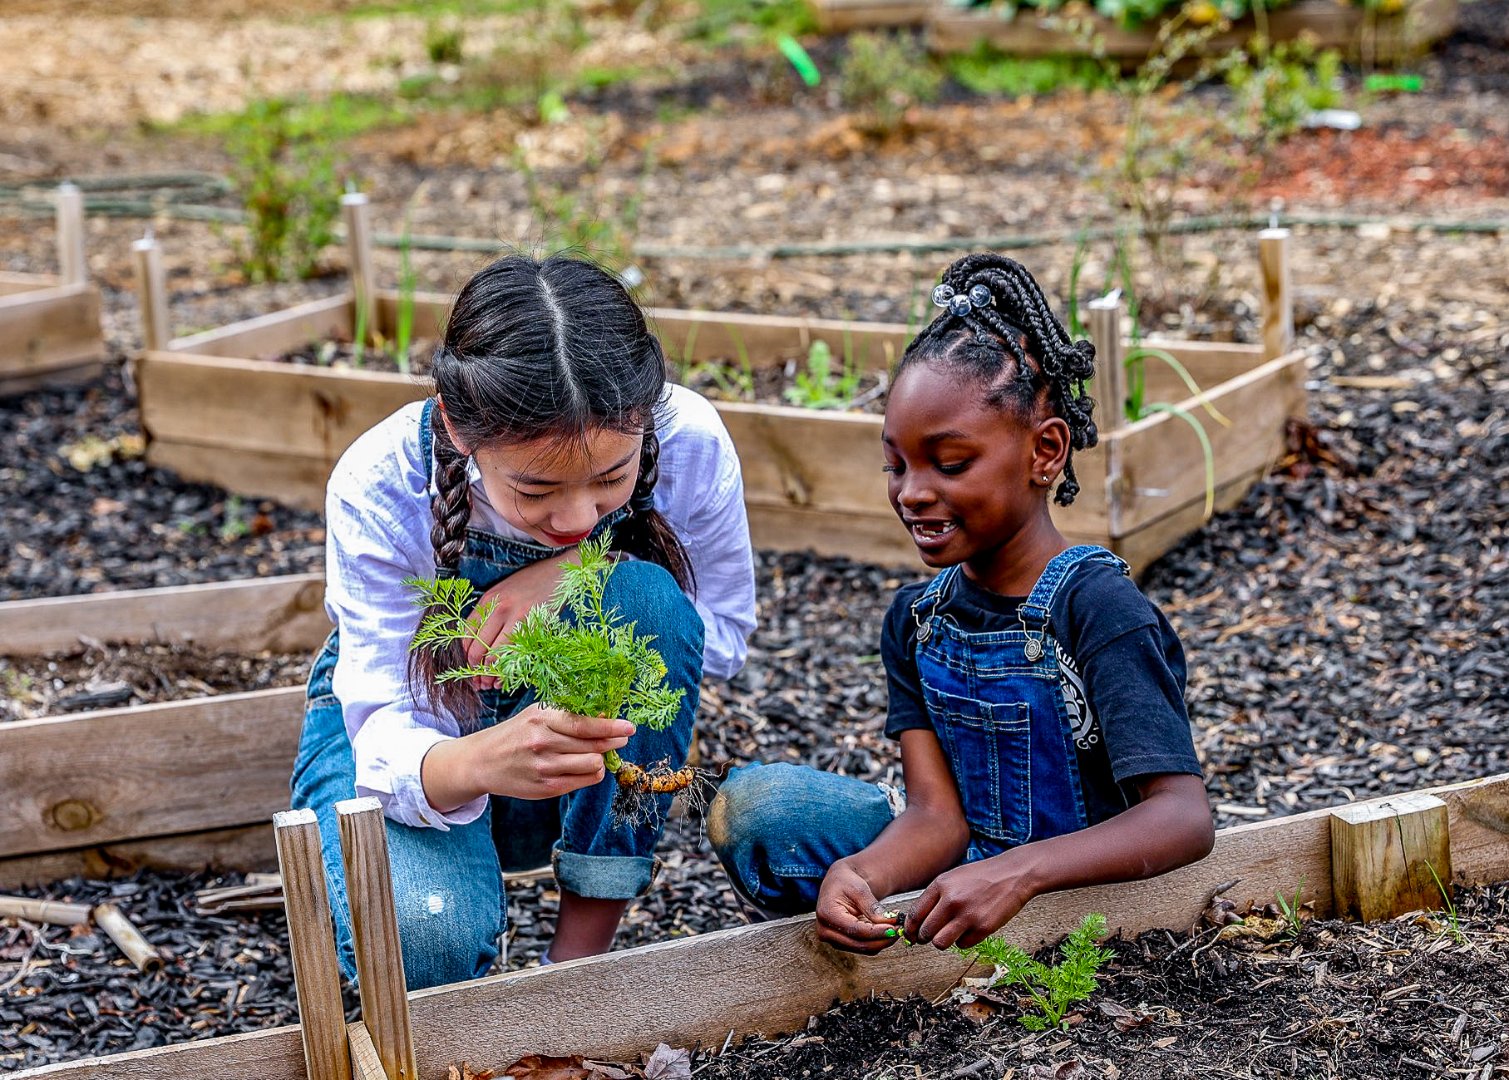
[{"x": 642, "y": 780}]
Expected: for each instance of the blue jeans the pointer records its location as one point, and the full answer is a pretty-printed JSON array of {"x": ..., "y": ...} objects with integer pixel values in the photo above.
[
  {"x": 448, "y": 885},
  {"x": 777, "y": 828}
]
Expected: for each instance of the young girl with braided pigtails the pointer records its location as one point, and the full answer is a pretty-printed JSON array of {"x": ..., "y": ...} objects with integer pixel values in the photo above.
[
  {"x": 551, "y": 422},
  {"x": 1038, "y": 697}
]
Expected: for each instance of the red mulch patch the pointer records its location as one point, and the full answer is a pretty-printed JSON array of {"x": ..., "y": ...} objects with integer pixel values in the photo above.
[{"x": 1343, "y": 166}]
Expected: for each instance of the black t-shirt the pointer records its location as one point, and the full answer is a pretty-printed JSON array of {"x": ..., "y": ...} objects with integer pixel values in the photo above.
[{"x": 1121, "y": 670}]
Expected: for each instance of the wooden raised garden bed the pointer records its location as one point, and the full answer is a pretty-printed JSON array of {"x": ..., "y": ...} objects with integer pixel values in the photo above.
[
  {"x": 50, "y": 323},
  {"x": 1357, "y": 33},
  {"x": 769, "y": 977},
  {"x": 179, "y": 785},
  {"x": 215, "y": 413},
  {"x": 839, "y": 16}
]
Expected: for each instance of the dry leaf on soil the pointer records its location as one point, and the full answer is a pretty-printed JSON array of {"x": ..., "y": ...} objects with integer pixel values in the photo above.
[
  {"x": 668, "y": 1064},
  {"x": 1124, "y": 1018},
  {"x": 1064, "y": 1070},
  {"x": 536, "y": 1067}
]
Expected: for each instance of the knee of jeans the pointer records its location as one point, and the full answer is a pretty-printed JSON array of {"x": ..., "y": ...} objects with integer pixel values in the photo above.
[
  {"x": 447, "y": 937},
  {"x": 749, "y": 807},
  {"x": 646, "y": 594}
]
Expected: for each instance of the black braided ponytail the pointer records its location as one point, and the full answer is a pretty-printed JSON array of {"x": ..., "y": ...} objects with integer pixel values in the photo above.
[
  {"x": 553, "y": 348},
  {"x": 1014, "y": 343}
]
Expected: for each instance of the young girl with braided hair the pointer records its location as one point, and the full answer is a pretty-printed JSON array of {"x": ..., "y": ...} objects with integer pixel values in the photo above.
[
  {"x": 1038, "y": 697},
  {"x": 551, "y": 422}
]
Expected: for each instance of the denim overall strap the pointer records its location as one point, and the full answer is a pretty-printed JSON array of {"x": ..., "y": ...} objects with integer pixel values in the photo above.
[
  {"x": 997, "y": 706},
  {"x": 929, "y": 599},
  {"x": 1033, "y": 614}
]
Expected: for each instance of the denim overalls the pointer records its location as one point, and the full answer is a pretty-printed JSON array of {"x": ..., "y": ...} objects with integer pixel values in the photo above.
[
  {"x": 998, "y": 708},
  {"x": 447, "y": 883}
]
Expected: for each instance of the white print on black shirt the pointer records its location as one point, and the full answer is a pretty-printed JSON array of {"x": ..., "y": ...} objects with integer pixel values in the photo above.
[{"x": 1081, "y": 719}]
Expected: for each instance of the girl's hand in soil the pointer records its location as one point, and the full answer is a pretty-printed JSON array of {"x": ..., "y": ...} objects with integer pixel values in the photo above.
[
  {"x": 515, "y": 595},
  {"x": 538, "y": 753},
  {"x": 848, "y": 914}
]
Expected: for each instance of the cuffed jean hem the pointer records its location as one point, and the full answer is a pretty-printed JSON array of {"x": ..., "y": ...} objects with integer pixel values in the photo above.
[{"x": 604, "y": 877}]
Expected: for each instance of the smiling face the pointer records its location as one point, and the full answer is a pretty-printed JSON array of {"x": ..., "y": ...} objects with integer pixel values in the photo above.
[
  {"x": 556, "y": 491},
  {"x": 966, "y": 477}
]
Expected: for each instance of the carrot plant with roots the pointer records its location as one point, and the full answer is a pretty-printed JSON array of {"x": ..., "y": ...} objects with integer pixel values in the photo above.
[{"x": 592, "y": 663}]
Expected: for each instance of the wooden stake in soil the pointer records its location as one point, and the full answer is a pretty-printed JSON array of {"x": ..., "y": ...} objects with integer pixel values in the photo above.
[
  {"x": 316, "y": 972},
  {"x": 1110, "y": 390},
  {"x": 1278, "y": 294},
  {"x": 365, "y": 1064},
  {"x": 124, "y": 933},
  {"x": 357, "y": 212},
  {"x": 1383, "y": 854},
  {"x": 152, "y": 288},
  {"x": 51, "y": 912},
  {"x": 374, "y": 929},
  {"x": 74, "y": 270}
]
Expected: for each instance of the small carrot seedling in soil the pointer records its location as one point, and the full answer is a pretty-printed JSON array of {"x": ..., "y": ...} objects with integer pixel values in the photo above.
[
  {"x": 592, "y": 663},
  {"x": 1051, "y": 988}
]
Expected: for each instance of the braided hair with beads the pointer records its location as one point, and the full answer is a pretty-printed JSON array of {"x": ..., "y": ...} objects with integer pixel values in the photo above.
[
  {"x": 996, "y": 325},
  {"x": 541, "y": 349}
]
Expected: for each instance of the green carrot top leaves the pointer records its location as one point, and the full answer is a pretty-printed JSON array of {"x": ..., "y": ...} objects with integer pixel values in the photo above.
[
  {"x": 1052, "y": 988},
  {"x": 591, "y": 663}
]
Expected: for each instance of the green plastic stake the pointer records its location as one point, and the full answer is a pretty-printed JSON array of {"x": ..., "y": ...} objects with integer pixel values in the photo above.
[
  {"x": 1409, "y": 84},
  {"x": 792, "y": 50}
]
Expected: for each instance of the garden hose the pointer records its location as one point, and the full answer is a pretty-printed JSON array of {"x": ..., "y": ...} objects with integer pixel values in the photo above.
[{"x": 29, "y": 200}]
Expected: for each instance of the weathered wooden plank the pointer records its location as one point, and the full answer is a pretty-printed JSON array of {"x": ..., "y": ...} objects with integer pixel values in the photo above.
[
  {"x": 1143, "y": 547},
  {"x": 1390, "y": 857},
  {"x": 1333, "y": 26},
  {"x": 374, "y": 929},
  {"x": 43, "y": 331},
  {"x": 311, "y": 945},
  {"x": 279, "y": 614},
  {"x": 365, "y": 1062},
  {"x": 771, "y": 977},
  {"x": 14, "y": 281},
  {"x": 1161, "y": 465},
  {"x": 261, "y": 405},
  {"x": 839, "y": 16},
  {"x": 241, "y": 848},
  {"x": 276, "y": 1054},
  {"x": 276, "y": 333},
  {"x": 121, "y": 774}
]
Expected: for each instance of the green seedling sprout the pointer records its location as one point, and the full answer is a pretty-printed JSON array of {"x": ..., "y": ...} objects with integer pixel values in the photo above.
[
  {"x": 1289, "y": 908},
  {"x": 1453, "y": 920},
  {"x": 575, "y": 654},
  {"x": 359, "y": 334},
  {"x": 1052, "y": 988}
]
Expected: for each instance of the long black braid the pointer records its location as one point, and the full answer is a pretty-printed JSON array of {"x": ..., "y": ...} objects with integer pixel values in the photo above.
[
  {"x": 533, "y": 349},
  {"x": 1014, "y": 324}
]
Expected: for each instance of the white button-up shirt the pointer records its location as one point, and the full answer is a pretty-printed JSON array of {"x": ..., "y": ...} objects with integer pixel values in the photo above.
[{"x": 378, "y": 533}]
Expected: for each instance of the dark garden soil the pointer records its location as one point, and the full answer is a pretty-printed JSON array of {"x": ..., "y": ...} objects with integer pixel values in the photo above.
[
  {"x": 108, "y": 676},
  {"x": 1400, "y": 998}
]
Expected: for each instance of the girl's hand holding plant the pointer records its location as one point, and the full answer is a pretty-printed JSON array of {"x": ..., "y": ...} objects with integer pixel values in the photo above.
[
  {"x": 967, "y": 904},
  {"x": 538, "y": 753},
  {"x": 849, "y": 915}
]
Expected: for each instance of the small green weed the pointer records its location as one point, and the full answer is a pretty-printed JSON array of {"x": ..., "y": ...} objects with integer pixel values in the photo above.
[
  {"x": 881, "y": 77},
  {"x": 1277, "y": 85},
  {"x": 286, "y": 180},
  {"x": 987, "y": 70},
  {"x": 236, "y": 522},
  {"x": 1052, "y": 988},
  {"x": 818, "y": 385},
  {"x": 403, "y": 328},
  {"x": 719, "y": 22},
  {"x": 1289, "y": 908},
  {"x": 445, "y": 43},
  {"x": 1453, "y": 921}
]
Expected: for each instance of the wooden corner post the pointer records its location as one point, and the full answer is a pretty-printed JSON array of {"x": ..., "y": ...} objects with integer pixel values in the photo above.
[
  {"x": 374, "y": 929},
  {"x": 316, "y": 972},
  {"x": 1110, "y": 372},
  {"x": 1278, "y": 293},
  {"x": 152, "y": 290},
  {"x": 357, "y": 212},
  {"x": 73, "y": 266},
  {"x": 1388, "y": 856}
]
